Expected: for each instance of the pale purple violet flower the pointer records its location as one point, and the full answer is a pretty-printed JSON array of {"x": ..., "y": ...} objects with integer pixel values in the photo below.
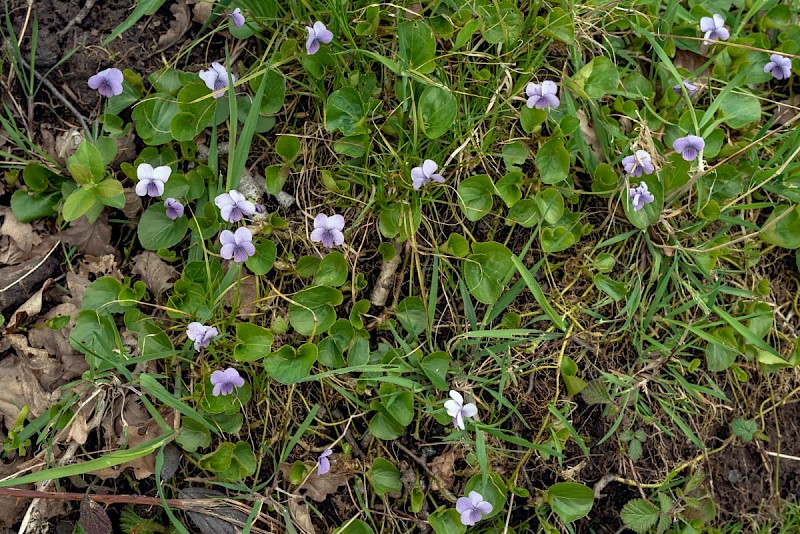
[
  {"x": 151, "y": 181},
  {"x": 472, "y": 508},
  {"x": 233, "y": 206},
  {"x": 689, "y": 146},
  {"x": 714, "y": 28},
  {"x": 542, "y": 96},
  {"x": 107, "y": 82},
  {"x": 458, "y": 410},
  {"x": 216, "y": 78},
  {"x": 640, "y": 196},
  {"x": 237, "y": 246},
  {"x": 636, "y": 163},
  {"x": 780, "y": 67},
  {"x": 426, "y": 173},
  {"x": 174, "y": 208},
  {"x": 316, "y": 35},
  {"x": 237, "y": 17},
  {"x": 324, "y": 463},
  {"x": 225, "y": 381},
  {"x": 328, "y": 230},
  {"x": 201, "y": 334},
  {"x": 691, "y": 89}
]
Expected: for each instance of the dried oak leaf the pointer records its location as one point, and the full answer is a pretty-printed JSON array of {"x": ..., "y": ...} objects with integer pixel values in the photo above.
[
  {"x": 443, "y": 467},
  {"x": 21, "y": 234},
  {"x": 301, "y": 517},
  {"x": 201, "y": 11},
  {"x": 133, "y": 203},
  {"x": 56, "y": 342},
  {"x": 19, "y": 387},
  {"x": 135, "y": 422},
  {"x": 178, "y": 26},
  {"x": 90, "y": 238},
  {"x": 155, "y": 272},
  {"x": 46, "y": 367},
  {"x": 28, "y": 309},
  {"x": 318, "y": 487}
]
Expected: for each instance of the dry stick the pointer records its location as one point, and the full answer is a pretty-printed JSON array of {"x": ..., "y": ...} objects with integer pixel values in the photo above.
[
  {"x": 78, "y": 18},
  {"x": 106, "y": 499},
  {"x": 425, "y": 468},
  {"x": 59, "y": 95}
]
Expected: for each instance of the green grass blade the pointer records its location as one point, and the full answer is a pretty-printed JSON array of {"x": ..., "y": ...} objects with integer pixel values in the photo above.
[
  {"x": 537, "y": 292},
  {"x": 108, "y": 460}
]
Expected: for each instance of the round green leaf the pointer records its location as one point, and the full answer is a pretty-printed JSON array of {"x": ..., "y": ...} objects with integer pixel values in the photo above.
[
  {"x": 195, "y": 98},
  {"x": 254, "y": 343},
  {"x": 356, "y": 526},
  {"x": 416, "y": 46},
  {"x": 556, "y": 239},
  {"x": 486, "y": 269},
  {"x": 436, "y": 111},
  {"x": 597, "y": 78},
  {"x": 552, "y": 160},
  {"x": 185, "y": 126},
  {"x": 153, "y": 117},
  {"x": 551, "y": 204},
  {"x": 475, "y": 196},
  {"x": 524, "y": 213},
  {"x": 344, "y": 111},
  {"x": 569, "y": 500},
  {"x": 447, "y": 521},
  {"x": 786, "y": 231},
  {"x": 312, "y": 310},
  {"x": 156, "y": 230},
  {"x": 332, "y": 270},
  {"x": 384, "y": 477},
  {"x": 261, "y": 262},
  {"x": 412, "y": 315},
  {"x": 287, "y": 366}
]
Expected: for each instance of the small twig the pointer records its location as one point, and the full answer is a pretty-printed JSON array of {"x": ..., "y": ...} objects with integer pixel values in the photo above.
[
  {"x": 77, "y": 19},
  {"x": 783, "y": 456},
  {"x": 425, "y": 468},
  {"x": 53, "y": 89},
  {"x": 106, "y": 499},
  {"x": 26, "y": 275}
]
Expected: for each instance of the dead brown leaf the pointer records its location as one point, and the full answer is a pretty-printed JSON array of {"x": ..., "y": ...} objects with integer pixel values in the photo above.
[
  {"x": 301, "y": 517},
  {"x": 90, "y": 238},
  {"x": 19, "y": 387},
  {"x": 443, "y": 467},
  {"x": 29, "y": 309},
  {"x": 21, "y": 234},
  {"x": 247, "y": 295},
  {"x": 49, "y": 369},
  {"x": 318, "y": 487},
  {"x": 590, "y": 135},
  {"x": 201, "y": 11},
  {"x": 89, "y": 266},
  {"x": 133, "y": 203},
  {"x": 155, "y": 272},
  {"x": 787, "y": 110},
  {"x": 135, "y": 422},
  {"x": 56, "y": 342},
  {"x": 177, "y": 27},
  {"x": 77, "y": 284},
  {"x": 67, "y": 143}
]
